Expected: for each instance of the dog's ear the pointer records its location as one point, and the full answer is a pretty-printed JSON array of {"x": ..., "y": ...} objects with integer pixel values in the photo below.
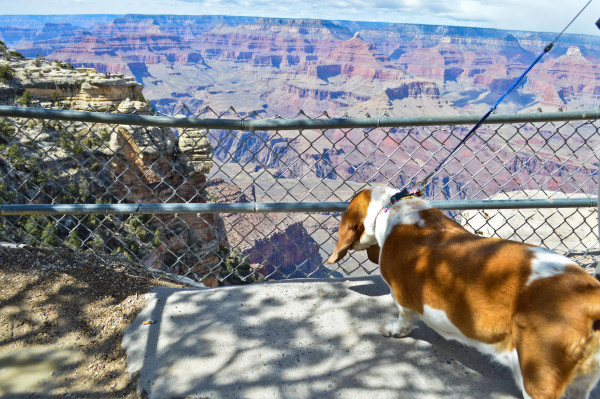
[
  {"x": 348, "y": 233},
  {"x": 351, "y": 226},
  {"x": 373, "y": 253}
]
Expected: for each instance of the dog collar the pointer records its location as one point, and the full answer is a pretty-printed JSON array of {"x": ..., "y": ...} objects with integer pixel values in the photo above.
[{"x": 405, "y": 193}]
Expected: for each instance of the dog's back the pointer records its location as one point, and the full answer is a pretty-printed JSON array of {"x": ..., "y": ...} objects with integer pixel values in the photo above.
[
  {"x": 499, "y": 296},
  {"x": 470, "y": 278},
  {"x": 532, "y": 309}
]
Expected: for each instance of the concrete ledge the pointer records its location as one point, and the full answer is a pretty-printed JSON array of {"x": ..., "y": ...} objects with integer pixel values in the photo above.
[{"x": 298, "y": 339}]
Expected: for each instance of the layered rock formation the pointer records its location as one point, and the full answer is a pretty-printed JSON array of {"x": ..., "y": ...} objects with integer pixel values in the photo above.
[
  {"x": 276, "y": 246},
  {"x": 138, "y": 164},
  {"x": 578, "y": 76},
  {"x": 55, "y": 83},
  {"x": 251, "y": 63},
  {"x": 277, "y": 67},
  {"x": 152, "y": 168}
]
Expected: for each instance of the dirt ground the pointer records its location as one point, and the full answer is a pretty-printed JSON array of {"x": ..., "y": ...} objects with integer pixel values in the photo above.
[{"x": 69, "y": 302}]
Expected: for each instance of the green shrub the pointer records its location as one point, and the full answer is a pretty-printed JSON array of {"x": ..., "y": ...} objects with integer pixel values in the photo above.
[
  {"x": 55, "y": 98},
  {"x": 77, "y": 148},
  {"x": 16, "y": 54},
  {"x": 97, "y": 242},
  {"x": 40, "y": 177},
  {"x": 64, "y": 142},
  {"x": 104, "y": 137},
  {"x": 41, "y": 230},
  {"x": 50, "y": 235},
  {"x": 6, "y": 73},
  {"x": 75, "y": 192},
  {"x": 7, "y": 130},
  {"x": 7, "y": 196},
  {"x": 39, "y": 60},
  {"x": 137, "y": 225},
  {"x": 15, "y": 156},
  {"x": 32, "y": 227},
  {"x": 25, "y": 99},
  {"x": 74, "y": 241},
  {"x": 156, "y": 239},
  {"x": 235, "y": 268},
  {"x": 67, "y": 140}
]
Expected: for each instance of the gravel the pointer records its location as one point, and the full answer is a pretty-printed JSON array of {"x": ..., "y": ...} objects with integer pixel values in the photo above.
[{"x": 70, "y": 302}]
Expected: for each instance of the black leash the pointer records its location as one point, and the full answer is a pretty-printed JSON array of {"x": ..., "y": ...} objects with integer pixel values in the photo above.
[{"x": 421, "y": 185}]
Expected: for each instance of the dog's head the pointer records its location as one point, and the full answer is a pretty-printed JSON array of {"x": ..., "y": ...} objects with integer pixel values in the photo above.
[{"x": 357, "y": 228}]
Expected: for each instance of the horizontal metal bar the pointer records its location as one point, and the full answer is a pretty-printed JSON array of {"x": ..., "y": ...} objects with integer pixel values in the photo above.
[
  {"x": 372, "y": 123},
  {"x": 243, "y": 207},
  {"x": 281, "y": 207},
  {"x": 288, "y": 124},
  {"x": 119, "y": 119},
  {"x": 588, "y": 202}
]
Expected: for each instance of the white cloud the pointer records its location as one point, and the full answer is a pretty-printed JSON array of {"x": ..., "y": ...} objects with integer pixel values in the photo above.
[{"x": 536, "y": 15}]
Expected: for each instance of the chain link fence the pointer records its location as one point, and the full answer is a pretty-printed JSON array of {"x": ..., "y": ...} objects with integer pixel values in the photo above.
[{"x": 229, "y": 198}]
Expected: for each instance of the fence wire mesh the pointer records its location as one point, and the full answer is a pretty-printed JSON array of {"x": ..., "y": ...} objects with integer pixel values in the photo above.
[{"x": 46, "y": 161}]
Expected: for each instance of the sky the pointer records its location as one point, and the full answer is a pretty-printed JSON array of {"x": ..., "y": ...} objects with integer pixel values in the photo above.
[{"x": 529, "y": 15}]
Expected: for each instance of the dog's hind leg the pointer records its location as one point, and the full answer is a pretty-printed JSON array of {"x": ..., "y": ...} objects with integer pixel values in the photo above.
[{"x": 400, "y": 327}]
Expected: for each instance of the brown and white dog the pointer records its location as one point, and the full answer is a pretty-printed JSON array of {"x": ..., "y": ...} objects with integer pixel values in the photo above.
[{"x": 531, "y": 309}]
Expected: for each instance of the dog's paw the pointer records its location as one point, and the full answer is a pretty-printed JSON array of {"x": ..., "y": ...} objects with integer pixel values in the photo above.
[{"x": 395, "y": 328}]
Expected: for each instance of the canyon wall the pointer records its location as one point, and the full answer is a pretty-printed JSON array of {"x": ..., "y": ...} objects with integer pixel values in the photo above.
[
  {"x": 277, "y": 66},
  {"x": 269, "y": 67}
]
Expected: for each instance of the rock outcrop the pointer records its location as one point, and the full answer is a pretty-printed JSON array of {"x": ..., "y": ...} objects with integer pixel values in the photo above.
[
  {"x": 141, "y": 164},
  {"x": 563, "y": 230},
  {"x": 59, "y": 84},
  {"x": 151, "y": 46},
  {"x": 578, "y": 77}
]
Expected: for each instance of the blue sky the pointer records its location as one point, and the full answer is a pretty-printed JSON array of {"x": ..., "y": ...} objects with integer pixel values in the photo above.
[{"x": 535, "y": 15}]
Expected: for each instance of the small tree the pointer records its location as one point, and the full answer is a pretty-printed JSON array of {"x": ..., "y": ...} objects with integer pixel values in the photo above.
[
  {"x": 74, "y": 241},
  {"x": 39, "y": 60},
  {"x": 7, "y": 130},
  {"x": 55, "y": 98}
]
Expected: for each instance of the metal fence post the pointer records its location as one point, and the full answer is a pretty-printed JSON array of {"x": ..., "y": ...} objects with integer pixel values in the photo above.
[{"x": 597, "y": 270}]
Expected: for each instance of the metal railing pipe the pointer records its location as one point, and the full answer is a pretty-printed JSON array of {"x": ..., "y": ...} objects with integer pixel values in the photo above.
[
  {"x": 275, "y": 207},
  {"x": 119, "y": 119},
  {"x": 287, "y": 124},
  {"x": 587, "y": 202},
  {"x": 389, "y": 122},
  {"x": 170, "y": 208}
]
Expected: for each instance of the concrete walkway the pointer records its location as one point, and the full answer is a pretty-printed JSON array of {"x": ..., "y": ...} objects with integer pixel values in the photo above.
[{"x": 298, "y": 339}]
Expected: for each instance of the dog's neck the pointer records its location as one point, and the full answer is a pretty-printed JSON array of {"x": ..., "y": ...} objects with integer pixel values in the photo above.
[
  {"x": 400, "y": 195},
  {"x": 379, "y": 217},
  {"x": 380, "y": 197}
]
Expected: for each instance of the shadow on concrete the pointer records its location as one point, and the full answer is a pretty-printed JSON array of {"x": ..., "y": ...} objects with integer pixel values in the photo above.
[{"x": 298, "y": 339}]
